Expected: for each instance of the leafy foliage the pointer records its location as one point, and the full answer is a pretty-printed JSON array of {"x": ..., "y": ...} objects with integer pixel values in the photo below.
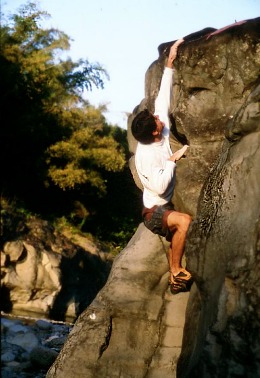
[
  {"x": 56, "y": 149},
  {"x": 80, "y": 159}
]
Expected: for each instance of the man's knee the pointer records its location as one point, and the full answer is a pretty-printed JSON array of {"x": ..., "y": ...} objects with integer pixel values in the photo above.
[
  {"x": 179, "y": 221},
  {"x": 185, "y": 222}
]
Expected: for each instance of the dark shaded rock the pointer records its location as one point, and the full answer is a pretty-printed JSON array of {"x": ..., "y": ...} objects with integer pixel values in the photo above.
[{"x": 43, "y": 357}]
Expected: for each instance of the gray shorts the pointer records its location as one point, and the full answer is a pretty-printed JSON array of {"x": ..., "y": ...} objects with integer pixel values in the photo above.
[{"x": 155, "y": 219}]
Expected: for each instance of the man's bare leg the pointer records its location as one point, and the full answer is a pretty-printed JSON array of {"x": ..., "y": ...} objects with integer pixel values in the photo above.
[{"x": 179, "y": 224}]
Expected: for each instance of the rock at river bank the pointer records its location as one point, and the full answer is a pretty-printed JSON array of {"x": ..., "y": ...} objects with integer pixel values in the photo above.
[
  {"x": 29, "y": 346},
  {"x": 44, "y": 271}
]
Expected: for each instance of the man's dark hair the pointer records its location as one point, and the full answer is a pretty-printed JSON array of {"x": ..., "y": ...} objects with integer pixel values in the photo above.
[{"x": 143, "y": 126}]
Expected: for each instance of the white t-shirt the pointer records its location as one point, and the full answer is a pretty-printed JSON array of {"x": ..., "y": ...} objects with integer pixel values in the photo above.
[{"x": 156, "y": 172}]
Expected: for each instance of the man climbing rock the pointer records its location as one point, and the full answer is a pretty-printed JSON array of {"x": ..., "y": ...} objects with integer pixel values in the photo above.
[{"x": 155, "y": 164}]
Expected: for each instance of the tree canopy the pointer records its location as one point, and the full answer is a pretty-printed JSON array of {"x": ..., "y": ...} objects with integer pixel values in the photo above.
[{"x": 54, "y": 143}]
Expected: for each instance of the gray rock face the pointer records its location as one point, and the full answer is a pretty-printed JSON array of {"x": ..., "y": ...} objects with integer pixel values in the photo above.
[
  {"x": 134, "y": 326},
  {"x": 223, "y": 246},
  {"x": 47, "y": 273}
]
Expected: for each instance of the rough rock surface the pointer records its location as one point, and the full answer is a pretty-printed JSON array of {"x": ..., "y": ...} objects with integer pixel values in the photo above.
[
  {"x": 134, "y": 326},
  {"x": 29, "y": 347},
  {"x": 222, "y": 330},
  {"x": 47, "y": 272},
  {"x": 129, "y": 330}
]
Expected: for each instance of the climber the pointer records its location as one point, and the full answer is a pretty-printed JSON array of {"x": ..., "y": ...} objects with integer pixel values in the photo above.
[{"x": 155, "y": 164}]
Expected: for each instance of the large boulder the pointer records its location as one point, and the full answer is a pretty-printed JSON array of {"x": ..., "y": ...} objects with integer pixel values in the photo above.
[
  {"x": 134, "y": 326},
  {"x": 222, "y": 331},
  {"x": 48, "y": 272}
]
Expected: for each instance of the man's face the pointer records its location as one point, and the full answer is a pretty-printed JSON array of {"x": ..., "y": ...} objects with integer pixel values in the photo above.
[{"x": 160, "y": 125}]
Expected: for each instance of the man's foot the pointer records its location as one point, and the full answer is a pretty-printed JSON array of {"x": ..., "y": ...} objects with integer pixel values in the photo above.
[
  {"x": 183, "y": 274},
  {"x": 181, "y": 282},
  {"x": 178, "y": 287}
]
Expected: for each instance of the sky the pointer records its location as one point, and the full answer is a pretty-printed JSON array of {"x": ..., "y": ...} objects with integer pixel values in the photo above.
[{"x": 123, "y": 36}]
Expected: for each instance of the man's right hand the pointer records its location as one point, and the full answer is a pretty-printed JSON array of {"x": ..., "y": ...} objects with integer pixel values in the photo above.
[
  {"x": 173, "y": 52},
  {"x": 179, "y": 153}
]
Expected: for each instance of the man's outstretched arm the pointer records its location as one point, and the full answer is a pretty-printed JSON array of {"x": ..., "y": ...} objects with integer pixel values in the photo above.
[
  {"x": 163, "y": 100},
  {"x": 173, "y": 53}
]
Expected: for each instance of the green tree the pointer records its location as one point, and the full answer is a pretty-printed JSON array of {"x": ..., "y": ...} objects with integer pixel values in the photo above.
[
  {"x": 42, "y": 106},
  {"x": 82, "y": 158},
  {"x": 58, "y": 154}
]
